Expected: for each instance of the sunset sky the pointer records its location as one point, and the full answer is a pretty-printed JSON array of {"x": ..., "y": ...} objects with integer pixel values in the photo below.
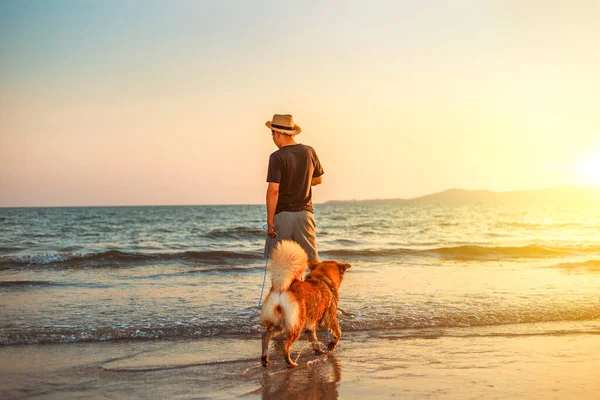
[{"x": 156, "y": 102}]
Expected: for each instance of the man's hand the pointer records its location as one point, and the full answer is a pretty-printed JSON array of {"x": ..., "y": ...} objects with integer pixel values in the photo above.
[{"x": 272, "y": 198}]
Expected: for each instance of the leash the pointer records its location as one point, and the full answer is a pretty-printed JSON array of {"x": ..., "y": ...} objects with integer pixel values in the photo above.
[{"x": 267, "y": 254}]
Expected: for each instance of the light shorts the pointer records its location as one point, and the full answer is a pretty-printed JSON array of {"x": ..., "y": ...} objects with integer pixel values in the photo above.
[{"x": 298, "y": 226}]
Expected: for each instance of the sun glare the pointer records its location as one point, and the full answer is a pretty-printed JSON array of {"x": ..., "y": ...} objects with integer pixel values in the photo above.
[{"x": 589, "y": 169}]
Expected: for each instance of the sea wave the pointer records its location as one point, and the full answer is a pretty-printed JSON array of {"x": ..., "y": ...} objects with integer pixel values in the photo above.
[
  {"x": 21, "y": 284},
  {"x": 236, "y": 233},
  {"x": 589, "y": 266},
  {"x": 241, "y": 326},
  {"x": 32, "y": 283},
  {"x": 507, "y": 252},
  {"x": 468, "y": 252},
  {"x": 542, "y": 226},
  {"x": 8, "y": 250},
  {"x": 116, "y": 258}
]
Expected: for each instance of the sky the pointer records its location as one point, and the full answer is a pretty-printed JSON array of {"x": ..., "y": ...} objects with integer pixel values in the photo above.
[{"x": 155, "y": 102}]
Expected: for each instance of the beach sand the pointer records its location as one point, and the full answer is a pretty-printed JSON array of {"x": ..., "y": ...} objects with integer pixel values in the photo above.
[{"x": 537, "y": 361}]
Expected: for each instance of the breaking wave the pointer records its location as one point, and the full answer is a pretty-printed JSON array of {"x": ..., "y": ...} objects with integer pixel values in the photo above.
[
  {"x": 470, "y": 252},
  {"x": 240, "y": 326},
  {"x": 116, "y": 258}
]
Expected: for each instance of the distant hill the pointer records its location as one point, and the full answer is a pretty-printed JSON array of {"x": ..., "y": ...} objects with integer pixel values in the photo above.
[{"x": 563, "y": 195}]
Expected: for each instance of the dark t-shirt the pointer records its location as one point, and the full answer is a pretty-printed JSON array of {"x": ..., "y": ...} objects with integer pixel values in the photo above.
[{"x": 293, "y": 167}]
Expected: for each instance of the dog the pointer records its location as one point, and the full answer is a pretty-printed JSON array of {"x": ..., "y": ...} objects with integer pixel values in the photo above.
[{"x": 295, "y": 303}]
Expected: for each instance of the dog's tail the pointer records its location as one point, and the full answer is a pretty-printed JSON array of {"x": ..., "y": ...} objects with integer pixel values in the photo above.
[{"x": 288, "y": 262}]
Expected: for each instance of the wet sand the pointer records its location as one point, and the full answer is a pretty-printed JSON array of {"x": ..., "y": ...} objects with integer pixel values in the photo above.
[{"x": 537, "y": 361}]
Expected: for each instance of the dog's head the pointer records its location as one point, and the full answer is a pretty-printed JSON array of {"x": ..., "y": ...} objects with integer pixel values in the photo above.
[{"x": 332, "y": 271}]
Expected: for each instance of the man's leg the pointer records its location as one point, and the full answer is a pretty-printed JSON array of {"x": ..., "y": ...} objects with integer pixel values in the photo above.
[
  {"x": 284, "y": 227},
  {"x": 305, "y": 233}
]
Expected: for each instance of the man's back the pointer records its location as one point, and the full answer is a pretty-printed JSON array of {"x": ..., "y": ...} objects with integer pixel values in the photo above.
[{"x": 293, "y": 167}]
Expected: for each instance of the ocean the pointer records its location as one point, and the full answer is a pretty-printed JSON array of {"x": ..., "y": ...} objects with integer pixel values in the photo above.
[{"x": 194, "y": 274}]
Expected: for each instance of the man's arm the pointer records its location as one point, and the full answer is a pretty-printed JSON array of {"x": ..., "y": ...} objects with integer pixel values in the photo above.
[
  {"x": 272, "y": 197},
  {"x": 316, "y": 181}
]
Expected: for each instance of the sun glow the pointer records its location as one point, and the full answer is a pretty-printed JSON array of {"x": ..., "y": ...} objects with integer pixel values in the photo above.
[{"x": 589, "y": 169}]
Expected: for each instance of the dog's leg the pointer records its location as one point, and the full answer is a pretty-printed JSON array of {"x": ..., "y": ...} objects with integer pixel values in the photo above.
[
  {"x": 293, "y": 337},
  {"x": 266, "y": 338},
  {"x": 312, "y": 338},
  {"x": 334, "y": 327}
]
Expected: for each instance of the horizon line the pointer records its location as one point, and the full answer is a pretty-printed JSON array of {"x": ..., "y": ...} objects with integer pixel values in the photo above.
[{"x": 322, "y": 203}]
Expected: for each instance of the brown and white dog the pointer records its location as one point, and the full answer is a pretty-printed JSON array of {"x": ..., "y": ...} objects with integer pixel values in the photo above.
[{"x": 295, "y": 303}]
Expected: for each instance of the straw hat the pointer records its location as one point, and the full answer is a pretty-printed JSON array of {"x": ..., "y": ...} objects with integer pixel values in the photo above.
[{"x": 284, "y": 123}]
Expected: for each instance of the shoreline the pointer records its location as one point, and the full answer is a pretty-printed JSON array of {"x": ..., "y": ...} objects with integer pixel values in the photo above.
[{"x": 498, "y": 362}]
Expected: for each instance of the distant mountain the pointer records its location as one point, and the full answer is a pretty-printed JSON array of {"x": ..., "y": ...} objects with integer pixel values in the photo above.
[{"x": 563, "y": 194}]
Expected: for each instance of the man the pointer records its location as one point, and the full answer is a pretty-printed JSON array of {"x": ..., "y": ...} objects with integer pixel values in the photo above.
[{"x": 293, "y": 170}]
